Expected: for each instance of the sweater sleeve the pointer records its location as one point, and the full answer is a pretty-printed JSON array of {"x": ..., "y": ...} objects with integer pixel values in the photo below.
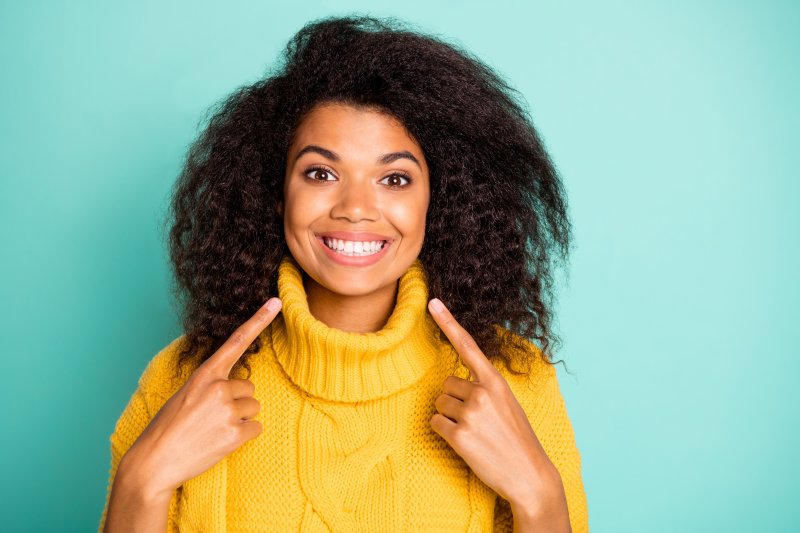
[
  {"x": 541, "y": 398},
  {"x": 153, "y": 389}
]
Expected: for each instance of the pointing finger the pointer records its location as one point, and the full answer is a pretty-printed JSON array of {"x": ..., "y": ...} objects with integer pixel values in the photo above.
[
  {"x": 479, "y": 366},
  {"x": 221, "y": 363}
]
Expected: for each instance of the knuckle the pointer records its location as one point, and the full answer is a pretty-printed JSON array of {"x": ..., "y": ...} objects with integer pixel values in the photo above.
[
  {"x": 194, "y": 391},
  {"x": 218, "y": 390},
  {"x": 481, "y": 396},
  {"x": 466, "y": 341},
  {"x": 187, "y": 399},
  {"x": 229, "y": 411},
  {"x": 232, "y": 435},
  {"x": 458, "y": 435},
  {"x": 238, "y": 337},
  {"x": 247, "y": 387}
]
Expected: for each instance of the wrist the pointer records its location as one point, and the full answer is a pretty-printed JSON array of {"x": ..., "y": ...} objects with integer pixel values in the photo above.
[
  {"x": 542, "y": 518},
  {"x": 133, "y": 479},
  {"x": 133, "y": 505},
  {"x": 534, "y": 491},
  {"x": 543, "y": 506}
]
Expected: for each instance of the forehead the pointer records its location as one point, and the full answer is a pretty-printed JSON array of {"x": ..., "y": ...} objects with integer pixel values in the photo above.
[{"x": 353, "y": 131}]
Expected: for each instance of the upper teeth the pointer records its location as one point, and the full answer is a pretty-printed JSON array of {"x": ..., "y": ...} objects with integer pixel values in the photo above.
[{"x": 351, "y": 247}]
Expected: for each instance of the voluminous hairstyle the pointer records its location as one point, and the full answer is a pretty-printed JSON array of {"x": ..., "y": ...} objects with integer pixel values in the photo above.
[{"x": 497, "y": 222}]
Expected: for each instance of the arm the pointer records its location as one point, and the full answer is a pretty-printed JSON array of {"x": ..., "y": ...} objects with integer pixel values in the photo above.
[
  {"x": 158, "y": 445},
  {"x": 513, "y": 433},
  {"x": 551, "y": 515},
  {"x": 543, "y": 403},
  {"x": 129, "y": 504},
  {"x": 130, "y": 507}
]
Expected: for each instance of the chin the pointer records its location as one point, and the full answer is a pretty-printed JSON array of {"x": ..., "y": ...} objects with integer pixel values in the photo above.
[{"x": 351, "y": 283}]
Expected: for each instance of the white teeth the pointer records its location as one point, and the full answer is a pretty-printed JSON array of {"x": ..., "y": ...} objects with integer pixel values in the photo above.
[{"x": 354, "y": 248}]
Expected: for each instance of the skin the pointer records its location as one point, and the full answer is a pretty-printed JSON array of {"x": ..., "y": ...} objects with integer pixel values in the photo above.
[
  {"x": 210, "y": 416},
  {"x": 355, "y": 193}
]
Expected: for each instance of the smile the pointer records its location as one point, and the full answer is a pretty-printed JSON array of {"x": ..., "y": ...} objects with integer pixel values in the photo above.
[
  {"x": 354, "y": 253},
  {"x": 353, "y": 248}
]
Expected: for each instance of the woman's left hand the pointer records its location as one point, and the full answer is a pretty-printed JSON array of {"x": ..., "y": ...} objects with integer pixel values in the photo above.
[{"x": 485, "y": 424}]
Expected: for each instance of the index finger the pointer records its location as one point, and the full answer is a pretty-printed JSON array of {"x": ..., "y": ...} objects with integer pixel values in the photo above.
[
  {"x": 462, "y": 341},
  {"x": 222, "y": 361}
]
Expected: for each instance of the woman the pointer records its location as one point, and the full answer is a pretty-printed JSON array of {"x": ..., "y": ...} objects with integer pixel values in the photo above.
[{"x": 376, "y": 168}]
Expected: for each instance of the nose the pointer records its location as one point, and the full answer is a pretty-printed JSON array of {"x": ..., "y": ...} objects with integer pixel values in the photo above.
[{"x": 356, "y": 201}]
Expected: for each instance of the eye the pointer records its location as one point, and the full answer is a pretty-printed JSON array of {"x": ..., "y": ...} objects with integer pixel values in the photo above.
[
  {"x": 395, "y": 178},
  {"x": 322, "y": 173}
]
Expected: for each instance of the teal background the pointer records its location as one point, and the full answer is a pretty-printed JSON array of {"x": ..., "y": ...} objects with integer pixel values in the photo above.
[{"x": 673, "y": 124}]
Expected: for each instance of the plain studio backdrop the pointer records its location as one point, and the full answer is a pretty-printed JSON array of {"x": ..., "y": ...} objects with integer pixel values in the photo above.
[{"x": 673, "y": 124}]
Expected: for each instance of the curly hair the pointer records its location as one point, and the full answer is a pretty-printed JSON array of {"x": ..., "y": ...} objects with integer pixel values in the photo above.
[{"x": 497, "y": 221}]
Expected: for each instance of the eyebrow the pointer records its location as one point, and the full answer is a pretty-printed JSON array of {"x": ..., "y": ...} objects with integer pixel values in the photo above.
[{"x": 385, "y": 159}]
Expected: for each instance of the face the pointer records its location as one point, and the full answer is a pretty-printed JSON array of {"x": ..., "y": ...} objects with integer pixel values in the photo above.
[{"x": 356, "y": 176}]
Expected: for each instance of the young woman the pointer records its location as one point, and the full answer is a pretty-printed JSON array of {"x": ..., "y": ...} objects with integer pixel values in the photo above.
[{"x": 389, "y": 199}]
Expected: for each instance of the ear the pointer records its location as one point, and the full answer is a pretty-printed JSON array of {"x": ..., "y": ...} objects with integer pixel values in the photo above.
[{"x": 279, "y": 207}]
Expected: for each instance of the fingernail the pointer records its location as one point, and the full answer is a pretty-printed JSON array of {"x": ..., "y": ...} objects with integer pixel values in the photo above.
[
  {"x": 437, "y": 305},
  {"x": 273, "y": 304}
]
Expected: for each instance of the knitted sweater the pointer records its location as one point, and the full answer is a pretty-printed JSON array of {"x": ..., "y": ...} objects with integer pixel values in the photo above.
[{"x": 347, "y": 444}]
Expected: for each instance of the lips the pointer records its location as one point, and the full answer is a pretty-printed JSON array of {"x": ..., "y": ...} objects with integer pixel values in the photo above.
[{"x": 354, "y": 260}]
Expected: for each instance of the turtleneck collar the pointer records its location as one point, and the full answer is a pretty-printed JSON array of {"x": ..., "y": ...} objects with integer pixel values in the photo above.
[{"x": 345, "y": 366}]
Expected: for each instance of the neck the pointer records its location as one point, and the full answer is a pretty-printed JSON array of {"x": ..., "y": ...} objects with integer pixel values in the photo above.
[
  {"x": 338, "y": 364},
  {"x": 362, "y": 313}
]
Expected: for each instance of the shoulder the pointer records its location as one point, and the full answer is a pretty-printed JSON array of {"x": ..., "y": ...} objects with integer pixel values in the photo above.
[
  {"x": 536, "y": 388},
  {"x": 162, "y": 377},
  {"x": 157, "y": 383},
  {"x": 526, "y": 356}
]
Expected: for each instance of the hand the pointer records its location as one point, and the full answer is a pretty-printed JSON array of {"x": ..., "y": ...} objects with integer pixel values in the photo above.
[
  {"x": 204, "y": 421},
  {"x": 485, "y": 424}
]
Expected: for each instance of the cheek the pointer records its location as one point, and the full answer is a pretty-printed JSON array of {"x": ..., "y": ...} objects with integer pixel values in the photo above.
[
  {"x": 295, "y": 222},
  {"x": 301, "y": 206},
  {"x": 408, "y": 216}
]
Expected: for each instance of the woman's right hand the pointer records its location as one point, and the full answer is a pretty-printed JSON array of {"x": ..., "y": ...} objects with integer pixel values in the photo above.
[{"x": 208, "y": 418}]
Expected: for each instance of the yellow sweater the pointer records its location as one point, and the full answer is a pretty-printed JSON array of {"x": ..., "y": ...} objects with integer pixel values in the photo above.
[{"x": 347, "y": 444}]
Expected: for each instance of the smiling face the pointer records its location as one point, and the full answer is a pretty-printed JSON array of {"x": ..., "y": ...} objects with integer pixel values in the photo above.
[{"x": 356, "y": 175}]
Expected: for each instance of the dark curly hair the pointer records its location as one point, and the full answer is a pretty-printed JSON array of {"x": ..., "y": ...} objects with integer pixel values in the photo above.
[{"x": 497, "y": 220}]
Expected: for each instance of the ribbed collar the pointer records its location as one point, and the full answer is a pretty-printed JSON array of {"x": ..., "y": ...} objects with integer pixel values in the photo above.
[{"x": 345, "y": 366}]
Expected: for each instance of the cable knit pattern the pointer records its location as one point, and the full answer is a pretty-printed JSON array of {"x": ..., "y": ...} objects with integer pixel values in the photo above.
[
  {"x": 348, "y": 367},
  {"x": 347, "y": 444}
]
